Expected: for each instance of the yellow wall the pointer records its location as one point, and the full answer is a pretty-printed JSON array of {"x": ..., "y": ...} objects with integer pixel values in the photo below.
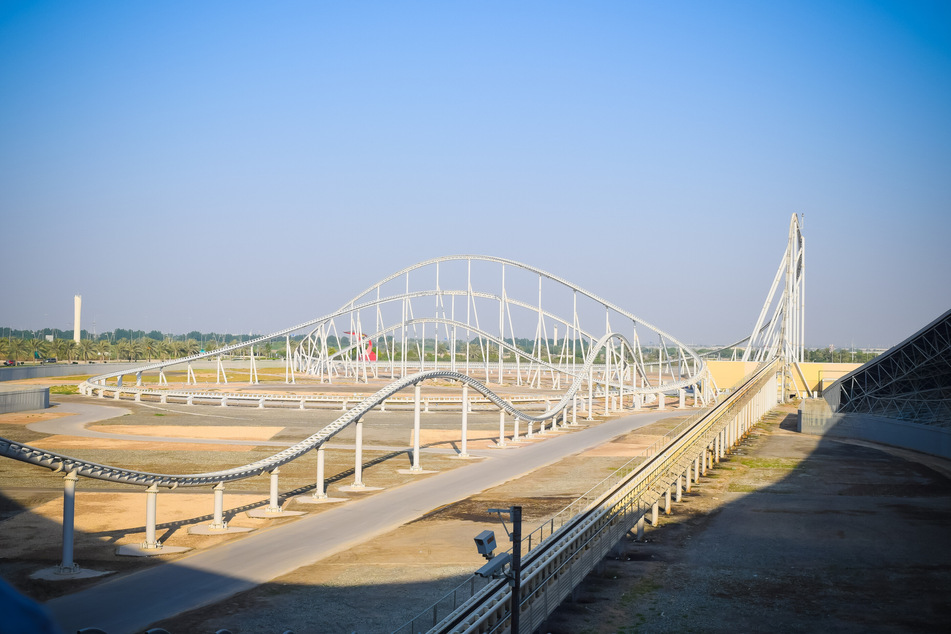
[{"x": 728, "y": 373}]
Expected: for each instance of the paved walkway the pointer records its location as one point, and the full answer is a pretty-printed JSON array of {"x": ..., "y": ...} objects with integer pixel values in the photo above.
[{"x": 132, "y": 602}]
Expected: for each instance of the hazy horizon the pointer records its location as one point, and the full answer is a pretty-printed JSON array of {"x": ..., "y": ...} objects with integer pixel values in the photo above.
[{"x": 246, "y": 167}]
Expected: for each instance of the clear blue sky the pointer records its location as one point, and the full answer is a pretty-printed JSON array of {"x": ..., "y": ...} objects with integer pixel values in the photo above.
[{"x": 236, "y": 166}]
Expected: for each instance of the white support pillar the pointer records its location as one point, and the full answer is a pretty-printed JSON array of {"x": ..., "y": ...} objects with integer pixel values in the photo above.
[
  {"x": 416, "y": 468},
  {"x": 274, "y": 505},
  {"x": 253, "y": 373},
  {"x": 515, "y": 437},
  {"x": 358, "y": 457},
  {"x": 688, "y": 479},
  {"x": 219, "y": 522},
  {"x": 682, "y": 398},
  {"x": 590, "y": 393},
  {"x": 654, "y": 512},
  {"x": 320, "y": 489},
  {"x": 680, "y": 487},
  {"x": 151, "y": 502},
  {"x": 667, "y": 501},
  {"x": 465, "y": 420},
  {"x": 502, "y": 428},
  {"x": 67, "y": 565},
  {"x": 289, "y": 377},
  {"x": 574, "y": 409},
  {"x": 661, "y": 401}
]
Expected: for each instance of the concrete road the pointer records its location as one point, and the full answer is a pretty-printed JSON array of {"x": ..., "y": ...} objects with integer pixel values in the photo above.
[{"x": 130, "y": 603}]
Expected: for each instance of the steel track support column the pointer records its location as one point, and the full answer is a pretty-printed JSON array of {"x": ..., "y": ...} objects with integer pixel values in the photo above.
[
  {"x": 515, "y": 437},
  {"x": 640, "y": 527},
  {"x": 574, "y": 409},
  {"x": 681, "y": 398},
  {"x": 696, "y": 469},
  {"x": 253, "y": 374},
  {"x": 688, "y": 479},
  {"x": 67, "y": 565},
  {"x": 358, "y": 458},
  {"x": 654, "y": 511},
  {"x": 416, "y": 468},
  {"x": 590, "y": 393},
  {"x": 218, "y": 522},
  {"x": 320, "y": 490},
  {"x": 502, "y": 428},
  {"x": 274, "y": 505},
  {"x": 151, "y": 502},
  {"x": 704, "y": 459},
  {"x": 465, "y": 420},
  {"x": 667, "y": 501},
  {"x": 680, "y": 487},
  {"x": 288, "y": 367}
]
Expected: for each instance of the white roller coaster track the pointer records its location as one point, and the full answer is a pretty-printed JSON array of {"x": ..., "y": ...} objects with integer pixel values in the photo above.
[{"x": 579, "y": 374}]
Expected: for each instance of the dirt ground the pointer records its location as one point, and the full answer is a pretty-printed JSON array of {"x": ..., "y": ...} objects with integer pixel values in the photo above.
[
  {"x": 790, "y": 533},
  {"x": 109, "y": 515}
]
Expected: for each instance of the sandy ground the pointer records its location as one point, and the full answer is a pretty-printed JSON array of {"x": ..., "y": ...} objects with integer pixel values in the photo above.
[
  {"x": 790, "y": 533},
  {"x": 108, "y": 515}
]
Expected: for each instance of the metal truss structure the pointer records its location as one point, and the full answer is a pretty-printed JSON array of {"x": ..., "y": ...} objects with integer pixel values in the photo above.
[
  {"x": 473, "y": 307},
  {"x": 783, "y": 334},
  {"x": 463, "y": 319},
  {"x": 612, "y": 364},
  {"x": 910, "y": 382}
]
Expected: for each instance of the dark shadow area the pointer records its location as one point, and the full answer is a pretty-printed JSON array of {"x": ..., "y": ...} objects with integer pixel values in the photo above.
[{"x": 789, "y": 533}]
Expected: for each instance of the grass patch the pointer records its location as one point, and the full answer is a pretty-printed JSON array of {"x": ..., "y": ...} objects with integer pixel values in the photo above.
[
  {"x": 640, "y": 589},
  {"x": 64, "y": 389},
  {"x": 158, "y": 414},
  {"x": 736, "y": 487},
  {"x": 770, "y": 463}
]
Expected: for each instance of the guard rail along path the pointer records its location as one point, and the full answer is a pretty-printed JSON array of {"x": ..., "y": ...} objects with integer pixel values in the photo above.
[{"x": 577, "y": 539}]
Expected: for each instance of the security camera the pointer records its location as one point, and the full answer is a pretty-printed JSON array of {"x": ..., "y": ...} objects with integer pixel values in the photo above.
[{"x": 485, "y": 543}]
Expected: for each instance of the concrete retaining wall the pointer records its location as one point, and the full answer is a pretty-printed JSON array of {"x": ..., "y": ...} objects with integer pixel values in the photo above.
[
  {"x": 816, "y": 417},
  {"x": 21, "y": 400},
  {"x": 44, "y": 370}
]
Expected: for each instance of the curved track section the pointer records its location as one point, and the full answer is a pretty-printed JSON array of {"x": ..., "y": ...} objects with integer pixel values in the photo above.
[{"x": 618, "y": 357}]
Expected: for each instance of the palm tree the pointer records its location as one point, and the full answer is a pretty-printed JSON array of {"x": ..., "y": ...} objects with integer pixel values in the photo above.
[
  {"x": 86, "y": 349},
  {"x": 16, "y": 348},
  {"x": 37, "y": 348},
  {"x": 192, "y": 347},
  {"x": 65, "y": 348},
  {"x": 132, "y": 350},
  {"x": 150, "y": 347},
  {"x": 103, "y": 349}
]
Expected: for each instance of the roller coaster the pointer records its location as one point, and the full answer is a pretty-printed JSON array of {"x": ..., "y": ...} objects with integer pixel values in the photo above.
[{"x": 466, "y": 310}]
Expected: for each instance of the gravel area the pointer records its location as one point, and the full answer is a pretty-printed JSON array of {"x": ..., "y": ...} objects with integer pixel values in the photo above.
[{"x": 791, "y": 533}]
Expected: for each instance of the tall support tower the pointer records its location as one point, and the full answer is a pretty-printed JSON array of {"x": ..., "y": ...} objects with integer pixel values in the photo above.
[
  {"x": 783, "y": 334},
  {"x": 77, "y": 309}
]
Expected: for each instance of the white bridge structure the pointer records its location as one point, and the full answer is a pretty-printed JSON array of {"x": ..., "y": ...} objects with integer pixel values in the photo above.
[{"x": 484, "y": 323}]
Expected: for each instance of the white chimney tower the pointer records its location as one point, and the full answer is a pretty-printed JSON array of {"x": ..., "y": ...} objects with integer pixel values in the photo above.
[{"x": 78, "y": 307}]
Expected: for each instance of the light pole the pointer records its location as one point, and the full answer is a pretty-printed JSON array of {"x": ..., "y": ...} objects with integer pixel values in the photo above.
[{"x": 515, "y": 569}]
